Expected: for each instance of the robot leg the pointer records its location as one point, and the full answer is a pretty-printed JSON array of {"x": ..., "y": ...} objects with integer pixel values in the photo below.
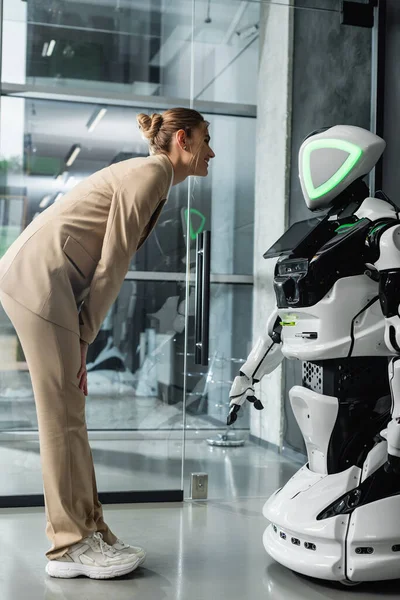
[{"x": 393, "y": 429}]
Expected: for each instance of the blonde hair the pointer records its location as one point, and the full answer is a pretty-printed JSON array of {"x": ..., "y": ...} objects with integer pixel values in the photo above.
[{"x": 159, "y": 129}]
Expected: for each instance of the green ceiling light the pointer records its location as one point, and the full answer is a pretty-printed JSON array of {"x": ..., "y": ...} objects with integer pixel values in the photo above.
[
  {"x": 193, "y": 233},
  {"x": 354, "y": 155}
]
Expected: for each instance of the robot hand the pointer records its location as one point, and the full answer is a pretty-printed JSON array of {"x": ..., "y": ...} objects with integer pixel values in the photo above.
[
  {"x": 241, "y": 390},
  {"x": 262, "y": 360}
]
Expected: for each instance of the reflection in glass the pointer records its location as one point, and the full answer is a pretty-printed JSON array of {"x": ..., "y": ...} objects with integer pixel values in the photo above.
[
  {"x": 222, "y": 202},
  {"x": 12, "y": 219},
  {"x": 129, "y": 51},
  {"x": 137, "y": 358},
  {"x": 135, "y": 365},
  {"x": 40, "y": 138},
  {"x": 226, "y": 46},
  {"x": 139, "y": 351},
  {"x": 134, "y": 48}
]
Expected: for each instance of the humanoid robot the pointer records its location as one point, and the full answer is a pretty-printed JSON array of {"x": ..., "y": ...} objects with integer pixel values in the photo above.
[{"x": 337, "y": 287}]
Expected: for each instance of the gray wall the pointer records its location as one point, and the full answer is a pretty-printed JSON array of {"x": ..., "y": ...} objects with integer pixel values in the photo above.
[{"x": 331, "y": 86}]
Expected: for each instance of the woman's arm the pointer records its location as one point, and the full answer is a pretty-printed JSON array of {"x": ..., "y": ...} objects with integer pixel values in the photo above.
[{"x": 131, "y": 209}]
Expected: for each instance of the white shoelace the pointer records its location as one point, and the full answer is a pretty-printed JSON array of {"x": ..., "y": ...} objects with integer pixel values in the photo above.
[{"x": 104, "y": 547}]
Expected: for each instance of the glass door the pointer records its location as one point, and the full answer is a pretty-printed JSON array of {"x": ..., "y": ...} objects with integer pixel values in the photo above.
[
  {"x": 81, "y": 74},
  {"x": 136, "y": 364},
  {"x": 225, "y": 71},
  {"x": 217, "y": 348}
]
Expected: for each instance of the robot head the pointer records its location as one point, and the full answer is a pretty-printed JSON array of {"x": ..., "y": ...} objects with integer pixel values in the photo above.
[{"x": 332, "y": 159}]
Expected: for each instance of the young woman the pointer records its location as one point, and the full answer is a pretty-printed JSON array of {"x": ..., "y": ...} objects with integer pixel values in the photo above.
[{"x": 57, "y": 283}]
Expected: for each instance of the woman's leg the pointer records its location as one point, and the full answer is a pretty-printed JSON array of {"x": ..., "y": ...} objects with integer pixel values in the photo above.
[
  {"x": 53, "y": 357},
  {"x": 101, "y": 526}
]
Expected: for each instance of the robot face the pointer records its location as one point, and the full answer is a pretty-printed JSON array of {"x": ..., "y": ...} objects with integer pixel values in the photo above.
[
  {"x": 326, "y": 163},
  {"x": 330, "y": 161}
]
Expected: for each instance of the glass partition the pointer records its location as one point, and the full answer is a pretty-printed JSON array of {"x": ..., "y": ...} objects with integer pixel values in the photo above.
[
  {"x": 74, "y": 74},
  {"x": 135, "y": 365},
  {"x": 133, "y": 49},
  {"x": 142, "y": 360}
]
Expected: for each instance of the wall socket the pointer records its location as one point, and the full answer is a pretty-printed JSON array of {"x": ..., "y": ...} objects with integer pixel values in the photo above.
[{"x": 199, "y": 486}]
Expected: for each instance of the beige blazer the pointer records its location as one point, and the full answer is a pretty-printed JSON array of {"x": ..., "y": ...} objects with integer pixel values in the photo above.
[{"x": 80, "y": 248}]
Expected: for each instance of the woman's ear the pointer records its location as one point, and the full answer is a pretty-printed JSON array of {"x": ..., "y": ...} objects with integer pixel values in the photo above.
[{"x": 181, "y": 138}]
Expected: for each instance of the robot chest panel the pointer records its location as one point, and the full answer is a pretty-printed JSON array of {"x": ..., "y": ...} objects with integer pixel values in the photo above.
[
  {"x": 347, "y": 322},
  {"x": 305, "y": 281}
]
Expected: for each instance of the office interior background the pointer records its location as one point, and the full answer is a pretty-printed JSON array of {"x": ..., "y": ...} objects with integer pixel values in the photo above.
[{"x": 74, "y": 75}]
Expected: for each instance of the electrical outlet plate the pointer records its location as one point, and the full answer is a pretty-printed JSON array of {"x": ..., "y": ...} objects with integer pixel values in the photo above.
[{"x": 199, "y": 486}]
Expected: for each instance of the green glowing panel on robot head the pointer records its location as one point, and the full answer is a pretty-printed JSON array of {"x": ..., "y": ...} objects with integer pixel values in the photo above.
[{"x": 326, "y": 163}]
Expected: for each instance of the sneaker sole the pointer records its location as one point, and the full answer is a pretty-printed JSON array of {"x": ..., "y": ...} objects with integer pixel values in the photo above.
[{"x": 69, "y": 570}]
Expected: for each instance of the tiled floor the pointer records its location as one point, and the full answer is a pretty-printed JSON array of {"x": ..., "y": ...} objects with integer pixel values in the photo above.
[
  {"x": 196, "y": 551},
  {"x": 156, "y": 464}
]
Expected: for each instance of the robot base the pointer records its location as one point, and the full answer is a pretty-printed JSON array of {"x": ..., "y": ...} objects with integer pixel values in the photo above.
[{"x": 349, "y": 548}]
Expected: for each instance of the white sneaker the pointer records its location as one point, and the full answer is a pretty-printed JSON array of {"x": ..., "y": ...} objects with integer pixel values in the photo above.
[
  {"x": 94, "y": 558},
  {"x": 120, "y": 546}
]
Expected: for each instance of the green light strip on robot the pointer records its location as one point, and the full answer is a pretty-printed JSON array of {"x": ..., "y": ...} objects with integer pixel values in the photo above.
[
  {"x": 345, "y": 226},
  {"x": 288, "y": 321},
  {"x": 376, "y": 228},
  {"x": 355, "y": 153}
]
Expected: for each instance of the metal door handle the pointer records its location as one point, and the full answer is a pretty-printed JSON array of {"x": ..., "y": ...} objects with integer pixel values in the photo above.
[{"x": 202, "y": 298}]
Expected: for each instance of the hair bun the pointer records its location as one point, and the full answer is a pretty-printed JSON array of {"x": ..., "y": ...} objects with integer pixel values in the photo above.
[{"x": 150, "y": 125}]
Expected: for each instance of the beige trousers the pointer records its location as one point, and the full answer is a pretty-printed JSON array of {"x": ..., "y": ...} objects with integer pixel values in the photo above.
[{"x": 73, "y": 509}]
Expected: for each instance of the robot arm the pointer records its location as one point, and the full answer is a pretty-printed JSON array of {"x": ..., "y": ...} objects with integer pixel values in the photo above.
[
  {"x": 263, "y": 359},
  {"x": 388, "y": 267}
]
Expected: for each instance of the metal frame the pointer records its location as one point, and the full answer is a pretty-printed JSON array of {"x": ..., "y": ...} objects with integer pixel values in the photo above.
[
  {"x": 1, "y": 56},
  {"x": 173, "y": 276},
  {"x": 30, "y": 500},
  {"x": 202, "y": 299},
  {"x": 75, "y": 94},
  {"x": 1, "y": 45},
  {"x": 107, "y": 435},
  {"x": 71, "y": 94},
  {"x": 378, "y": 86}
]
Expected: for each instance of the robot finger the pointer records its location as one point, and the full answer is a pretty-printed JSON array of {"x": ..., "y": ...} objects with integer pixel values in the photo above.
[
  {"x": 256, "y": 402},
  {"x": 233, "y": 414}
]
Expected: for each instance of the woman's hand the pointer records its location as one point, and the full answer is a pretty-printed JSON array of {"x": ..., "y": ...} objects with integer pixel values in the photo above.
[{"x": 82, "y": 374}]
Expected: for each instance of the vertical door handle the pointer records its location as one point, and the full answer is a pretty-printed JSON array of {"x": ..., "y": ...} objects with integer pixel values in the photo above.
[
  {"x": 205, "y": 301},
  {"x": 202, "y": 298},
  {"x": 198, "y": 298}
]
